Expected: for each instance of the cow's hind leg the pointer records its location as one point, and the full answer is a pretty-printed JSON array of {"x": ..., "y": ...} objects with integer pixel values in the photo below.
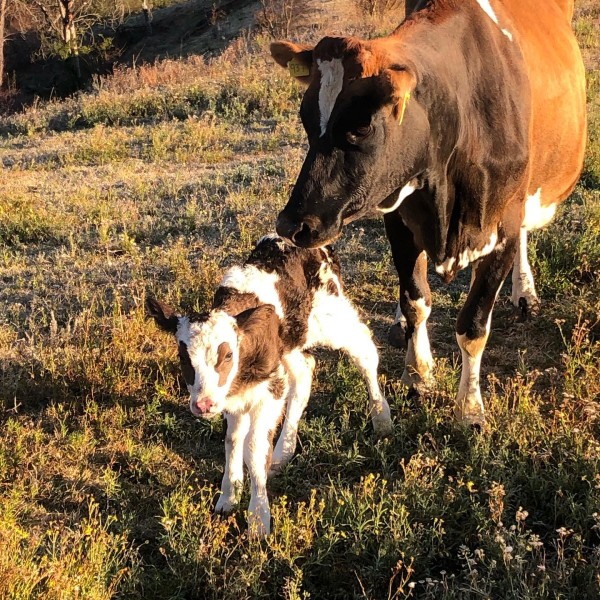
[
  {"x": 415, "y": 302},
  {"x": 523, "y": 295},
  {"x": 300, "y": 367},
  {"x": 473, "y": 327}
]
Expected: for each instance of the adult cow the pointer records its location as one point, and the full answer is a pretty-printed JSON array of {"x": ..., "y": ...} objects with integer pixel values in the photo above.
[{"x": 466, "y": 127}]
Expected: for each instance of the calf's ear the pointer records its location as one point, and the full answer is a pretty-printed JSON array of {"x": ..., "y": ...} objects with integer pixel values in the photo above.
[
  {"x": 163, "y": 314},
  {"x": 260, "y": 343},
  {"x": 297, "y": 58}
]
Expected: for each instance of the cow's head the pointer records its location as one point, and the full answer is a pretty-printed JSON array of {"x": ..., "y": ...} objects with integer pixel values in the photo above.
[
  {"x": 367, "y": 134},
  {"x": 219, "y": 353}
]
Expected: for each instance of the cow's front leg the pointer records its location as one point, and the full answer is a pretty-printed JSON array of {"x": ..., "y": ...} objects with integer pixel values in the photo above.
[
  {"x": 415, "y": 302},
  {"x": 257, "y": 456},
  {"x": 233, "y": 477},
  {"x": 473, "y": 327}
]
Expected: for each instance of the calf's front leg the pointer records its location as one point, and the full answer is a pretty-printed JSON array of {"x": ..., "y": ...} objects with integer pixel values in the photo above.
[
  {"x": 257, "y": 456},
  {"x": 233, "y": 477}
]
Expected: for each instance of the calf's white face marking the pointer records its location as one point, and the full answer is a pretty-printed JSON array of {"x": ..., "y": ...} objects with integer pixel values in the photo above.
[
  {"x": 332, "y": 80},
  {"x": 489, "y": 11},
  {"x": 202, "y": 340}
]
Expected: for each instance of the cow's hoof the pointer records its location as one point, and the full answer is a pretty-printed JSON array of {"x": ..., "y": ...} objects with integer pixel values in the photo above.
[
  {"x": 422, "y": 383},
  {"x": 397, "y": 336},
  {"x": 526, "y": 307},
  {"x": 474, "y": 420}
]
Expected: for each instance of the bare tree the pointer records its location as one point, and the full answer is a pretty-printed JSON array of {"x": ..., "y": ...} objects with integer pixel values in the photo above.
[
  {"x": 147, "y": 16},
  {"x": 69, "y": 32},
  {"x": 3, "y": 7}
]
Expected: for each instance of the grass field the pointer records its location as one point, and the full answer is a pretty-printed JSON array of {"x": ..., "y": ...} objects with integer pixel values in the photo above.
[{"x": 160, "y": 179}]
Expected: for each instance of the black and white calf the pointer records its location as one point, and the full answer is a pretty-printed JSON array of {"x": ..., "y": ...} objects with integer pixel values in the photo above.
[{"x": 247, "y": 358}]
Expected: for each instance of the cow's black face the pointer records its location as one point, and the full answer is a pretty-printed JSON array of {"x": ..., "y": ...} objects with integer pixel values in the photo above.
[{"x": 367, "y": 139}]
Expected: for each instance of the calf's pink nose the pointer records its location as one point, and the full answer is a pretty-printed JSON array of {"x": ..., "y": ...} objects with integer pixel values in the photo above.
[{"x": 203, "y": 405}]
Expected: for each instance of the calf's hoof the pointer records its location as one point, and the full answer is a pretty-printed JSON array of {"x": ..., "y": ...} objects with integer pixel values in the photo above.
[
  {"x": 225, "y": 505},
  {"x": 397, "y": 336},
  {"x": 382, "y": 425},
  {"x": 259, "y": 526},
  {"x": 277, "y": 465}
]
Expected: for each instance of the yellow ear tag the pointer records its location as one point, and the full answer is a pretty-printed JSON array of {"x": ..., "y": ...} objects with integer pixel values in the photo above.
[
  {"x": 403, "y": 109},
  {"x": 297, "y": 68}
]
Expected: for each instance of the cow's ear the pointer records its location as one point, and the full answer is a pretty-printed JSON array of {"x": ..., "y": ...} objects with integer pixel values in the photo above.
[
  {"x": 297, "y": 58},
  {"x": 163, "y": 314},
  {"x": 402, "y": 82}
]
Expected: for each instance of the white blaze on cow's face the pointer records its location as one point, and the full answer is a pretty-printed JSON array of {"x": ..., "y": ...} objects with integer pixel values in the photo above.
[
  {"x": 332, "y": 81},
  {"x": 209, "y": 355}
]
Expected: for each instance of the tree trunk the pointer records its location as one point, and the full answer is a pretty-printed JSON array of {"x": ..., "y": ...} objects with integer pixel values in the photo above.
[
  {"x": 69, "y": 33},
  {"x": 147, "y": 16},
  {"x": 3, "y": 5}
]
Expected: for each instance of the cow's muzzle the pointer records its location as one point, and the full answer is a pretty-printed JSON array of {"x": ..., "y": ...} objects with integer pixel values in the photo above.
[{"x": 307, "y": 232}]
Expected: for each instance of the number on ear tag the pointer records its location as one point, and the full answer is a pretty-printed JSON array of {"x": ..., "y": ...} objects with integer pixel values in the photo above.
[{"x": 298, "y": 68}]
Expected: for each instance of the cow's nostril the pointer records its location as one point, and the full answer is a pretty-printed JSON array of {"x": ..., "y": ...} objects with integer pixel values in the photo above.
[
  {"x": 287, "y": 228},
  {"x": 303, "y": 235}
]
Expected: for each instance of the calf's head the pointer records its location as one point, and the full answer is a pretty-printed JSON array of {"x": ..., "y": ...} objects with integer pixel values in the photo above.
[
  {"x": 221, "y": 354},
  {"x": 367, "y": 134}
]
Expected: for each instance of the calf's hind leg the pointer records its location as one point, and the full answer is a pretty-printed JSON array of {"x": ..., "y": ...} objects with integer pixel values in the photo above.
[{"x": 340, "y": 328}]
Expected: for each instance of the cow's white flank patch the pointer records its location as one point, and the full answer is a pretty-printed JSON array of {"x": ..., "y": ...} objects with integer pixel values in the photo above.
[
  {"x": 537, "y": 215},
  {"x": 250, "y": 280},
  {"x": 489, "y": 11},
  {"x": 405, "y": 192},
  {"x": 332, "y": 80}
]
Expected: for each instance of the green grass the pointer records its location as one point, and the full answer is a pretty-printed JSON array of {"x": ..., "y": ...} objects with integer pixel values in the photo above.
[{"x": 106, "y": 480}]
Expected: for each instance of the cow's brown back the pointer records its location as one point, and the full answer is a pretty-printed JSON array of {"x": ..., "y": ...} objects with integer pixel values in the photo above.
[{"x": 557, "y": 76}]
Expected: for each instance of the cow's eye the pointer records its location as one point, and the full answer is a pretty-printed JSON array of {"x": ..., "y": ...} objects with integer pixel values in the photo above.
[
  {"x": 359, "y": 133},
  {"x": 229, "y": 356}
]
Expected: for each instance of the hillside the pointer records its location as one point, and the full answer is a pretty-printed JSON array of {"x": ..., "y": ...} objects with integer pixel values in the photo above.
[{"x": 159, "y": 178}]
